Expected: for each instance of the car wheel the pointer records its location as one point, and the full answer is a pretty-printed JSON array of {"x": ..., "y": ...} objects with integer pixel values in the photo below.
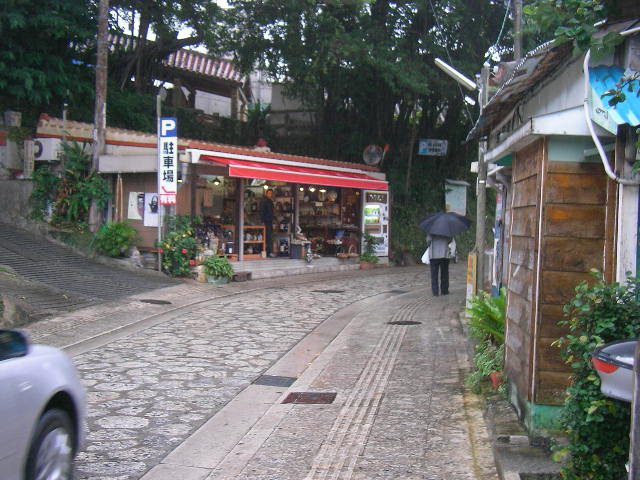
[{"x": 51, "y": 453}]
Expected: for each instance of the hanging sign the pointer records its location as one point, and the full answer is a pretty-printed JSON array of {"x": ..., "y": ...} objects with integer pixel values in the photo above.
[
  {"x": 168, "y": 160},
  {"x": 432, "y": 146}
]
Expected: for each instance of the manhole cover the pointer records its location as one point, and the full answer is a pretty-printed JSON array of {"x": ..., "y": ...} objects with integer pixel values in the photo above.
[
  {"x": 155, "y": 302},
  {"x": 404, "y": 322},
  {"x": 398, "y": 291},
  {"x": 275, "y": 381},
  {"x": 328, "y": 291},
  {"x": 310, "y": 397}
]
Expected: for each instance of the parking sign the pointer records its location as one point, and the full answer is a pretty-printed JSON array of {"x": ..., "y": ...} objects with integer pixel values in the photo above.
[{"x": 168, "y": 160}]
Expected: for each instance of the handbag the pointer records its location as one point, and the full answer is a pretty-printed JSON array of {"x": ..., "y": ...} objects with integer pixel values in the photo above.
[{"x": 425, "y": 256}]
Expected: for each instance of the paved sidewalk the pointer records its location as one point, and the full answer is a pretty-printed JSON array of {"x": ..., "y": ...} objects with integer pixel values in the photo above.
[{"x": 174, "y": 389}]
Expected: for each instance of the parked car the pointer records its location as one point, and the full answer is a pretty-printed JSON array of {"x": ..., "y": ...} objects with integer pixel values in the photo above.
[
  {"x": 42, "y": 407},
  {"x": 614, "y": 363}
]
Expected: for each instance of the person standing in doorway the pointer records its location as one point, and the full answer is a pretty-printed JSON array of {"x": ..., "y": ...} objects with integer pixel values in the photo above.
[
  {"x": 439, "y": 263},
  {"x": 266, "y": 217}
]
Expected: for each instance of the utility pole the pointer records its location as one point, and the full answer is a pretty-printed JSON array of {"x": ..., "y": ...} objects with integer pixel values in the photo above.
[
  {"x": 481, "y": 187},
  {"x": 517, "y": 30},
  {"x": 100, "y": 110}
]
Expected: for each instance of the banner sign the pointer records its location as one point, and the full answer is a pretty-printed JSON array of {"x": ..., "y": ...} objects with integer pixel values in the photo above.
[
  {"x": 168, "y": 160},
  {"x": 432, "y": 146}
]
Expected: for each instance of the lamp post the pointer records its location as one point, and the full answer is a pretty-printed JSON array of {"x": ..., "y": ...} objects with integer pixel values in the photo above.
[{"x": 481, "y": 186}]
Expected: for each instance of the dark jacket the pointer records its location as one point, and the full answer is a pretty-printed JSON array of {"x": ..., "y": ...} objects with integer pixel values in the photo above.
[{"x": 266, "y": 210}]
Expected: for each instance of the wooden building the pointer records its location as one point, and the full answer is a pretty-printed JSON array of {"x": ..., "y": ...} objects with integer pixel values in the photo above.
[{"x": 563, "y": 214}]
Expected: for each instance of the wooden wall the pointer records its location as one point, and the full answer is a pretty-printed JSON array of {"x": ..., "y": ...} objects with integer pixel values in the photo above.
[
  {"x": 577, "y": 235},
  {"x": 527, "y": 164}
]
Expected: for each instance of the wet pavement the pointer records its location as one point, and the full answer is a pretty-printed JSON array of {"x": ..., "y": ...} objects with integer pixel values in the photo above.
[{"x": 172, "y": 395}]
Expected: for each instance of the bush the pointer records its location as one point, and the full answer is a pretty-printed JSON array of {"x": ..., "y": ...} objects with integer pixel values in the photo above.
[
  {"x": 487, "y": 316},
  {"x": 486, "y": 326},
  {"x": 597, "y": 427},
  {"x": 115, "y": 239},
  {"x": 369, "y": 250},
  {"x": 178, "y": 247},
  {"x": 218, "y": 267}
]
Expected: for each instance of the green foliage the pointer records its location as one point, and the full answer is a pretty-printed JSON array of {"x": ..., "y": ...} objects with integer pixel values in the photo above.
[
  {"x": 71, "y": 192},
  {"x": 488, "y": 358},
  {"x": 37, "y": 48},
  {"x": 218, "y": 267},
  {"x": 115, "y": 239},
  {"x": 573, "y": 21},
  {"x": 45, "y": 184},
  {"x": 487, "y": 317},
  {"x": 597, "y": 427},
  {"x": 368, "y": 255},
  {"x": 78, "y": 185},
  {"x": 178, "y": 246}
]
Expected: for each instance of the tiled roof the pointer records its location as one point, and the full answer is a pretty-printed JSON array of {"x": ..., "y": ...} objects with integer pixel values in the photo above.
[
  {"x": 187, "y": 60},
  {"x": 83, "y": 132}
]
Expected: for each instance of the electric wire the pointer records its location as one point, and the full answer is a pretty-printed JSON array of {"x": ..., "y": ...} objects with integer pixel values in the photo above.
[
  {"x": 504, "y": 21},
  {"x": 446, "y": 48}
]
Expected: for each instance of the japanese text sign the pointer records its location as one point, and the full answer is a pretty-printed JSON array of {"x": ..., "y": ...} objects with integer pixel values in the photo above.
[
  {"x": 432, "y": 146},
  {"x": 168, "y": 160}
]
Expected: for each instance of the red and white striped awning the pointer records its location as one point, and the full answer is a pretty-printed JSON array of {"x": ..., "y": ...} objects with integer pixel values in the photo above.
[{"x": 292, "y": 173}]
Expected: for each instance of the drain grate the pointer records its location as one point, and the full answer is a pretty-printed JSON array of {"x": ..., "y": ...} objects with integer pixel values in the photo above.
[
  {"x": 275, "y": 381},
  {"x": 398, "y": 291},
  {"x": 328, "y": 291},
  {"x": 404, "y": 322},
  {"x": 155, "y": 302},
  {"x": 318, "y": 398}
]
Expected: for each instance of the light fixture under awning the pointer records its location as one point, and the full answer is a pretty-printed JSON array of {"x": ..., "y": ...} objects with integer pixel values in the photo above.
[{"x": 297, "y": 174}]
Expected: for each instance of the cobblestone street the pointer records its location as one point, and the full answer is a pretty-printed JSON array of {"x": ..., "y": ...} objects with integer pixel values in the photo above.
[{"x": 152, "y": 385}]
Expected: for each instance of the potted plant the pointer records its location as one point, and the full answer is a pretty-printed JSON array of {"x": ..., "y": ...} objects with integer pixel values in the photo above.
[
  {"x": 218, "y": 269},
  {"x": 368, "y": 259}
]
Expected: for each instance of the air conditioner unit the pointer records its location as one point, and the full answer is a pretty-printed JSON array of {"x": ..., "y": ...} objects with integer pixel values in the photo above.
[{"x": 47, "y": 149}]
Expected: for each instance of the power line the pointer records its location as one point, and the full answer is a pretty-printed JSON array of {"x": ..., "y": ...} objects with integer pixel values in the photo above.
[{"x": 466, "y": 107}]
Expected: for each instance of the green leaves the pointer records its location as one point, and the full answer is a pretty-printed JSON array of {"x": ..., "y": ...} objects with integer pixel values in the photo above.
[
  {"x": 115, "y": 239},
  {"x": 597, "y": 427},
  {"x": 487, "y": 317}
]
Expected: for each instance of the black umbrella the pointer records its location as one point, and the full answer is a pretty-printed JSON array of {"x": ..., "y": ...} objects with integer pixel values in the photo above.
[{"x": 446, "y": 224}]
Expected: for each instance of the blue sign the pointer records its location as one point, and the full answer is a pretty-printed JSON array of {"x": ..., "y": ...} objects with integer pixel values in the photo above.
[
  {"x": 168, "y": 127},
  {"x": 432, "y": 146}
]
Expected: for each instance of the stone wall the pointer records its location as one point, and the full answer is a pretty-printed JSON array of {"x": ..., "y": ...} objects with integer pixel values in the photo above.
[{"x": 15, "y": 207}]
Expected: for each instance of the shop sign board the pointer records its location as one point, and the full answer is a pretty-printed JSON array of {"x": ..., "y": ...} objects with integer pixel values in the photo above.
[
  {"x": 168, "y": 160},
  {"x": 432, "y": 147}
]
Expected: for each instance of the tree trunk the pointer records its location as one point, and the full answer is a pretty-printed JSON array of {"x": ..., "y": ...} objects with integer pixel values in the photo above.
[
  {"x": 100, "y": 114},
  {"x": 145, "y": 21}
]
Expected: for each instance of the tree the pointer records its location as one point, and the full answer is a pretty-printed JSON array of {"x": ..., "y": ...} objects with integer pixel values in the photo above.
[
  {"x": 202, "y": 20},
  {"x": 367, "y": 68},
  {"x": 40, "y": 55}
]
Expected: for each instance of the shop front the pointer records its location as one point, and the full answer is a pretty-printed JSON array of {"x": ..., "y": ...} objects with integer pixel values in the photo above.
[
  {"x": 319, "y": 205},
  {"x": 316, "y": 205}
]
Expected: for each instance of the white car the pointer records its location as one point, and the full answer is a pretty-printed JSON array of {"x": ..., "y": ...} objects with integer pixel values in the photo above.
[
  {"x": 614, "y": 363},
  {"x": 42, "y": 407}
]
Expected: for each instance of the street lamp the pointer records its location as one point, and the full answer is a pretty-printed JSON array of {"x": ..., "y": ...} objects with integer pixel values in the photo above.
[{"x": 456, "y": 75}]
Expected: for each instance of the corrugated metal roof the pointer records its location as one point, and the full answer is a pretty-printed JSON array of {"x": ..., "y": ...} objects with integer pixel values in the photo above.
[
  {"x": 537, "y": 65},
  {"x": 603, "y": 78}
]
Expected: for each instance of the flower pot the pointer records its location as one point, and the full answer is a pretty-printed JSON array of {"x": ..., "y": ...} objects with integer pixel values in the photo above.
[
  {"x": 496, "y": 379},
  {"x": 366, "y": 265},
  {"x": 217, "y": 280}
]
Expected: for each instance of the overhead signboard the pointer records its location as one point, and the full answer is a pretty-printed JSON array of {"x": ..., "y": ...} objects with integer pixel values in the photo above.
[
  {"x": 432, "y": 147},
  {"x": 168, "y": 161}
]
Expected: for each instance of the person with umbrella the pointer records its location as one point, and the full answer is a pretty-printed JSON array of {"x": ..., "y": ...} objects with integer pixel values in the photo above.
[{"x": 441, "y": 228}]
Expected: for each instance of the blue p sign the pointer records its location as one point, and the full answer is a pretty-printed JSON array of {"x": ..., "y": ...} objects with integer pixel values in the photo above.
[{"x": 168, "y": 127}]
